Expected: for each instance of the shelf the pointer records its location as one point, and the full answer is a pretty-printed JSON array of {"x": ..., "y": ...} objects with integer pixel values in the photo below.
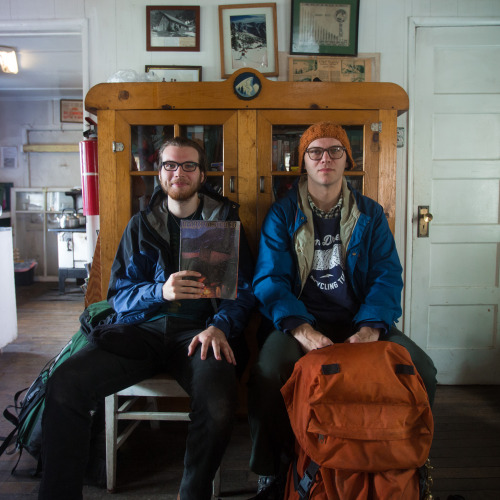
[
  {"x": 5, "y": 215},
  {"x": 154, "y": 173},
  {"x": 51, "y": 148}
]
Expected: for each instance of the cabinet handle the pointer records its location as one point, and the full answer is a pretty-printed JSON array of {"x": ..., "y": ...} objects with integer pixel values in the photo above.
[
  {"x": 262, "y": 186},
  {"x": 231, "y": 184}
]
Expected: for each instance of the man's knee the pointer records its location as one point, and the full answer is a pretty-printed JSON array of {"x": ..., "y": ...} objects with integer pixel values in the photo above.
[
  {"x": 276, "y": 361},
  {"x": 422, "y": 361}
]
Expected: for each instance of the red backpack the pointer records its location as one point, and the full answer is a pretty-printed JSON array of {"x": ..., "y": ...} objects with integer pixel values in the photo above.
[{"x": 362, "y": 423}]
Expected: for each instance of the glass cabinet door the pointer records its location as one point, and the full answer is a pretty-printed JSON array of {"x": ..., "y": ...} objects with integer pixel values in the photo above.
[
  {"x": 279, "y": 133},
  {"x": 214, "y": 131},
  {"x": 36, "y": 211}
]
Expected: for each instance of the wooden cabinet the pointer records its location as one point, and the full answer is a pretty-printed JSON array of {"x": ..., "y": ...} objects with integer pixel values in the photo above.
[{"x": 242, "y": 136}]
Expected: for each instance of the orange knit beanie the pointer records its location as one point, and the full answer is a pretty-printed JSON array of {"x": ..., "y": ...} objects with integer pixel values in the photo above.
[{"x": 325, "y": 129}]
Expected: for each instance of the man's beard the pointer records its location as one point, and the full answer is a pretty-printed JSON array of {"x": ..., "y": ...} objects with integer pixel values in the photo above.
[{"x": 185, "y": 193}]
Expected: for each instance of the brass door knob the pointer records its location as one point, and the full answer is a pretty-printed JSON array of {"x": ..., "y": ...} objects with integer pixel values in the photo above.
[{"x": 424, "y": 217}]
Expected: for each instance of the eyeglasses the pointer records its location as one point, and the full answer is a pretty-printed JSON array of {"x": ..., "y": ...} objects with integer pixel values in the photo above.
[
  {"x": 334, "y": 152},
  {"x": 187, "y": 166}
]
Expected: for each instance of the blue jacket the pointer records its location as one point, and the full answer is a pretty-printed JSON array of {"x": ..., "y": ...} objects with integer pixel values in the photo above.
[
  {"x": 143, "y": 263},
  {"x": 286, "y": 254}
]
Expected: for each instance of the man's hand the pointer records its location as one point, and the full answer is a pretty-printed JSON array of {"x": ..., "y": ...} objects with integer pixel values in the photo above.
[
  {"x": 215, "y": 338},
  {"x": 365, "y": 334},
  {"x": 177, "y": 288},
  {"x": 309, "y": 338}
]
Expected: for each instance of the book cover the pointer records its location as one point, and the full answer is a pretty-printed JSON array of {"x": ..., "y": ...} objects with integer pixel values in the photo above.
[{"x": 212, "y": 249}]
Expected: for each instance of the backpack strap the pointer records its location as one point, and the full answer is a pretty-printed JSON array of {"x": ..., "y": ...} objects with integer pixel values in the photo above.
[
  {"x": 304, "y": 485},
  {"x": 13, "y": 419},
  {"x": 7, "y": 441}
]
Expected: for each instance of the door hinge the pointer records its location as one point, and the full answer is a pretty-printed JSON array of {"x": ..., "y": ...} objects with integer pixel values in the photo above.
[
  {"x": 118, "y": 146},
  {"x": 376, "y": 127}
]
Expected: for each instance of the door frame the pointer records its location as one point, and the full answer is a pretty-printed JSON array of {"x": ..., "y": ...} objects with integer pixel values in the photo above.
[
  {"x": 414, "y": 24},
  {"x": 54, "y": 28}
]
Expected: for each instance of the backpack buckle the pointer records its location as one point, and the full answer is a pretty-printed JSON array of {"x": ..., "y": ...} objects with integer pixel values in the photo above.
[
  {"x": 308, "y": 479},
  {"x": 305, "y": 485}
]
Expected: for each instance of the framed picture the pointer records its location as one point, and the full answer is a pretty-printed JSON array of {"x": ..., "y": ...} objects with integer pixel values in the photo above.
[
  {"x": 248, "y": 38},
  {"x": 363, "y": 68},
  {"x": 71, "y": 110},
  {"x": 326, "y": 27},
  {"x": 176, "y": 73},
  {"x": 173, "y": 28}
]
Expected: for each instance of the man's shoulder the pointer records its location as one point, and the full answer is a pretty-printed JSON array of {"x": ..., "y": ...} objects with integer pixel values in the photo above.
[
  {"x": 289, "y": 198},
  {"x": 214, "y": 201}
]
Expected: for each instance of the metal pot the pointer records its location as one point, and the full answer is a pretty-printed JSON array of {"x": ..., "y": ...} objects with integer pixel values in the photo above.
[
  {"x": 68, "y": 221},
  {"x": 81, "y": 218}
]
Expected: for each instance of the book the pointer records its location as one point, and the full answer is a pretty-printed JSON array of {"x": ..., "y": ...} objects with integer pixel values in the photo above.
[{"x": 212, "y": 249}]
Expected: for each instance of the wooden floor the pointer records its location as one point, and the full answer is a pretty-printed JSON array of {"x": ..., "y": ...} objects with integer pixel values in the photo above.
[{"x": 465, "y": 452}]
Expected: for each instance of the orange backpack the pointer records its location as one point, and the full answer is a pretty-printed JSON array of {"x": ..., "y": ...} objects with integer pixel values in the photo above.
[{"x": 362, "y": 423}]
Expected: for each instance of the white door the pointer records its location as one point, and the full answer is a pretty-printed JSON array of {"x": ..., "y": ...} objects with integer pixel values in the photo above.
[{"x": 455, "y": 171}]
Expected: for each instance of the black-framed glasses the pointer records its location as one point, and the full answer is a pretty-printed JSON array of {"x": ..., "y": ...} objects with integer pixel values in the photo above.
[
  {"x": 187, "y": 166},
  {"x": 334, "y": 152}
]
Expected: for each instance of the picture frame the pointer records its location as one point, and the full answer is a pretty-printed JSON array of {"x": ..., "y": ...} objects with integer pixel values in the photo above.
[
  {"x": 324, "y": 27},
  {"x": 176, "y": 73},
  {"x": 71, "y": 110},
  {"x": 362, "y": 68},
  {"x": 245, "y": 45},
  {"x": 173, "y": 28}
]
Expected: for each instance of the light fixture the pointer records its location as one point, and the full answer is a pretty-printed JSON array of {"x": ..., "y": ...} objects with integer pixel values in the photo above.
[{"x": 8, "y": 60}]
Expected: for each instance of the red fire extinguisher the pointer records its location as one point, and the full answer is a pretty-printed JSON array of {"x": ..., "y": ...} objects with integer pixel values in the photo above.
[{"x": 89, "y": 170}]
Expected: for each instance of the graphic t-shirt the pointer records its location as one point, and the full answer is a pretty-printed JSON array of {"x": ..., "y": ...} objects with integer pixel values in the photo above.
[{"x": 327, "y": 294}]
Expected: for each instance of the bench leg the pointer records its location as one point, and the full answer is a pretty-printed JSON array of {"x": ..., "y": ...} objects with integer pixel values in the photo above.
[{"x": 111, "y": 407}]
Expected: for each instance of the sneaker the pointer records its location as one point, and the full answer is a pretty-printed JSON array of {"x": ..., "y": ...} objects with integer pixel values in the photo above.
[
  {"x": 268, "y": 488},
  {"x": 265, "y": 482}
]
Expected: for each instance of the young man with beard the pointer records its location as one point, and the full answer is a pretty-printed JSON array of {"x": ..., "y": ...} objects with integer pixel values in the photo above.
[
  {"x": 161, "y": 323},
  {"x": 327, "y": 272}
]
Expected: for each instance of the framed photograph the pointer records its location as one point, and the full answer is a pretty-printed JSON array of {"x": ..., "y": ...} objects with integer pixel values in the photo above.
[
  {"x": 325, "y": 27},
  {"x": 248, "y": 38},
  {"x": 71, "y": 110},
  {"x": 173, "y": 28},
  {"x": 176, "y": 73}
]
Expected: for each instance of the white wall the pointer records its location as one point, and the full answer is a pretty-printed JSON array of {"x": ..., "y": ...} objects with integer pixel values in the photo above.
[
  {"x": 117, "y": 40},
  {"x": 33, "y": 122}
]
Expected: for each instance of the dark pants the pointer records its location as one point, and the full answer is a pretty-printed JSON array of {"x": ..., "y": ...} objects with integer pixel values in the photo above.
[
  {"x": 272, "y": 435},
  {"x": 81, "y": 382}
]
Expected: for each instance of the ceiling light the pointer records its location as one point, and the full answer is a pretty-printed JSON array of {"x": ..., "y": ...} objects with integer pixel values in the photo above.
[{"x": 8, "y": 60}]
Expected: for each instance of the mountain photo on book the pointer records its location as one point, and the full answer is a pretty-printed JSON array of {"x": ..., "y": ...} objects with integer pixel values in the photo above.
[{"x": 212, "y": 249}]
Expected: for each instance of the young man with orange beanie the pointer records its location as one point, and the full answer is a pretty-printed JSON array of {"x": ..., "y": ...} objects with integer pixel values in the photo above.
[{"x": 327, "y": 272}]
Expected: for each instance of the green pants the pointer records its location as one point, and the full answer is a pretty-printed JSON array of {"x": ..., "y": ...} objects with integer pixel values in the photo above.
[{"x": 272, "y": 436}]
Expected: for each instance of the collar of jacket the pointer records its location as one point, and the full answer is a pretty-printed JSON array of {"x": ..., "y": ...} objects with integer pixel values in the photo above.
[
  {"x": 304, "y": 227},
  {"x": 215, "y": 206}
]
